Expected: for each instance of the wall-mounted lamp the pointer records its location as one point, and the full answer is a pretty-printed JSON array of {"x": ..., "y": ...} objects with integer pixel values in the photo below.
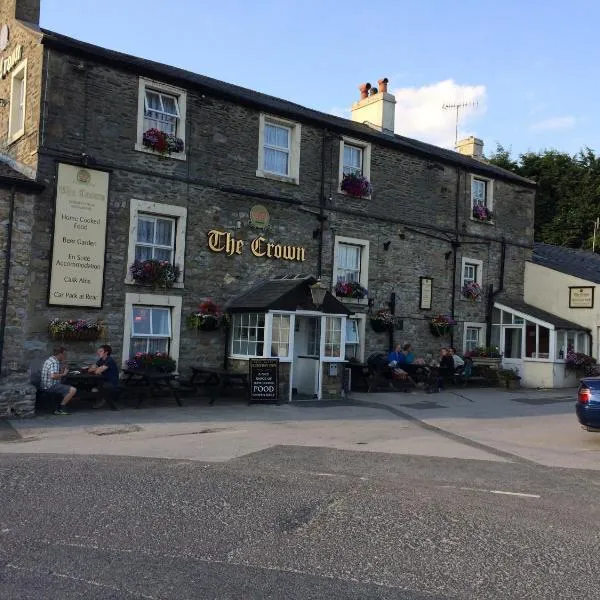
[
  {"x": 386, "y": 245},
  {"x": 317, "y": 291}
]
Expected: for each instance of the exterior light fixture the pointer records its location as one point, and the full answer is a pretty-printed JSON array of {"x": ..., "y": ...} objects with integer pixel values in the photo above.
[{"x": 317, "y": 291}]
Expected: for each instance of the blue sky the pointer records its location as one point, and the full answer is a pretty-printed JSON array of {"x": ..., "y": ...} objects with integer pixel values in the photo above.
[{"x": 531, "y": 66}]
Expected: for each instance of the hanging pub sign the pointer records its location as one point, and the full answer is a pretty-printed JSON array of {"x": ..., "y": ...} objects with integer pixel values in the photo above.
[
  {"x": 223, "y": 241},
  {"x": 77, "y": 268},
  {"x": 259, "y": 217},
  {"x": 264, "y": 379},
  {"x": 581, "y": 297}
]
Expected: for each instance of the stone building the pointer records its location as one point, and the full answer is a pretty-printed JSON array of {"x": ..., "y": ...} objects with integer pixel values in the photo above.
[{"x": 242, "y": 192}]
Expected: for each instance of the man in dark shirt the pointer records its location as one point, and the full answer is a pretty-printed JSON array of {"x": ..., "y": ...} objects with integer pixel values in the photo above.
[{"x": 107, "y": 368}]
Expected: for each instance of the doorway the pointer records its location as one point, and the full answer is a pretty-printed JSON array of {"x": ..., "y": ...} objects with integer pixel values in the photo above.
[
  {"x": 307, "y": 363},
  {"x": 512, "y": 347}
]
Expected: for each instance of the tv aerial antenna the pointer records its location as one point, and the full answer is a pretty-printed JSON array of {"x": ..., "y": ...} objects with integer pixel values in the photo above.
[{"x": 458, "y": 106}]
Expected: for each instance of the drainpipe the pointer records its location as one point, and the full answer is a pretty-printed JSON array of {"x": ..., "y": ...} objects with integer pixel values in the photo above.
[
  {"x": 492, "y": 295},
  {"x": 455, "y": 247},
  {"x": 9, "y": 231},
  {"x": 321, "y": 216}
]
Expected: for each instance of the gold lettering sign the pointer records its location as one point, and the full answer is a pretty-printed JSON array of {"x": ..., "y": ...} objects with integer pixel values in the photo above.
[
  {"x": 77, "y": 273},
  {"x": 222, "y": 241},
  {"x": 7, "y": 64}
]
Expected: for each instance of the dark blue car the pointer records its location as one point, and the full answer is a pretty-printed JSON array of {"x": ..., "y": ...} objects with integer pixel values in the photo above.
[{"x": 588, "y": 403}]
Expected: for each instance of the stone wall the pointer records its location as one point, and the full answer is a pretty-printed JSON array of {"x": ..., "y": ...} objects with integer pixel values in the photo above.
[{"x": 419, "y": 205}]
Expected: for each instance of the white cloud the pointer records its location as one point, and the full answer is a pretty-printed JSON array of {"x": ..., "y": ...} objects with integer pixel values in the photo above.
[
  {"x": 420, "y": 113},
  {"x": 554, "y": 124}
]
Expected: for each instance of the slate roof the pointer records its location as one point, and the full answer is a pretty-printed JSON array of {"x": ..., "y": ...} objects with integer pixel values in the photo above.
[
  {"x": 578, "y": 263},
  {"x": 538, "y": 313},
  {"x": 281, "y": 107},
  {"x": 11, "y": 176},
  {"x": 283, "y": 294}
]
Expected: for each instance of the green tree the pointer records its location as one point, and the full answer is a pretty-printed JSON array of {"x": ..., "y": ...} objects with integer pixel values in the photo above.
[{"x": 568, "y": 195}]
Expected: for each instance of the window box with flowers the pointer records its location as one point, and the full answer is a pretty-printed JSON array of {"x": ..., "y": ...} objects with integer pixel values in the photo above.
[
  {"x": 356, "y": 185},
  {"x": 154, "y": 273},
  {"x": 482, "y": 213},
  {"x": 74, "y": 330},
  {"x": 485, "y": 357},
  {"x": 161, "y": 142},
  {"x": 581, "y": 363},
  {"x": 382, "y": 321},
  {"x": 350, "y": 289},
  {"x": 441, "y": 325},
  {"x": 159, "y": 362},
  {"x": 472, "y": 291},
  {"x": 207, "y": 318}
]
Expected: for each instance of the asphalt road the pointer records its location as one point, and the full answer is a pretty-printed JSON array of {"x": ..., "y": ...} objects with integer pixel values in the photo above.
[{"x": 296, "y": 523}]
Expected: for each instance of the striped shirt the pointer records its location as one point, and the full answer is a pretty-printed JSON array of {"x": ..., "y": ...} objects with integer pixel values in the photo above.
[{"x": 50, "y": 367}]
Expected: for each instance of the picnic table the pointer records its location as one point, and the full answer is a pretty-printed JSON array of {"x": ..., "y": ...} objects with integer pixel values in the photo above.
[
  {"x": 215, "y": 381},
  {"x": 154, "y": 383},
  {"x": 86, "y": 382}
]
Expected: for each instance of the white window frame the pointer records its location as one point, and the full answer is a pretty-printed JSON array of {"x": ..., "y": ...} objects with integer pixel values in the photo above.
[
  {"x": 154, "y": 217},
  {"x": 479, "y": 272},
  {"x": 162, "y": 301},
  {"x": 150, "y": 336},
  {"x": 20, "y": 73},
  {"x": 473, "y": 325},
  {"x": 293, "y": 175},
  {"x": 361, "y": 320},
  {"x": 179, "y": 213},
  {"x": 489, "y": 193},
  {"x": 366, "y": 162},
  {"x": 181, "y": 103},
  {"x": 364, "y": 265}
]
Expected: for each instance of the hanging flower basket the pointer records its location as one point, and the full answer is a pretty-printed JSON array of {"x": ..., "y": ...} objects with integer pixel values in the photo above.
[
  {"x": 159, "y": 362},
  {"x": 350, "y": 289},
  {"x": 580, "y": 363},
  {"x": 356, "y": 185},
  {"x": 161, "y": 142},
  {"x": 441, "y": 325},
  {"x": 482, "y": 213},
  {"x": 382, "y": 321},
  {"x": 208, "y": 317},
  {"x": 78, "y": 330},
  {"x": 154, "y": 273},
  {"x": 472, "y": 291}
]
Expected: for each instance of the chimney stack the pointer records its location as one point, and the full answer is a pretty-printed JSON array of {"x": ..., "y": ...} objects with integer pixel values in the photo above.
[
  {"x": 24, "y": 10},
  {"x": 470, "y": 146},
  {"x": 376, "y": 107}
]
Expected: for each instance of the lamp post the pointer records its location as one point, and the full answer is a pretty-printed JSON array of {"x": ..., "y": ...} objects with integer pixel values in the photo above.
[{"x": 317, "y": 291}]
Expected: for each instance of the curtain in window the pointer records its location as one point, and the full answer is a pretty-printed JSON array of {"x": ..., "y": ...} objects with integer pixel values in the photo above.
[
  {"x": 333, "y": 337},
  {"x": 352, "y": 160},
  {"x": 348, "y": 263},
  {"x": 276, "y": 151},
  {"x": 161, "y": 112},
  {"x": 280, "y": 336}
]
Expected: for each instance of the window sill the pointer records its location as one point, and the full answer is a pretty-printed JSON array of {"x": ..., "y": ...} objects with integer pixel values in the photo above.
[
  {"x": 15, "y": 136},
  {"x": 174, "y": 155},
  {"x": 343, "y": 193},
  {"x": 492, "y": 222},
  {"x": 345, "y": 300},
  {"x": 178, "y": 285},
  {"x": 276, "y": 177}
]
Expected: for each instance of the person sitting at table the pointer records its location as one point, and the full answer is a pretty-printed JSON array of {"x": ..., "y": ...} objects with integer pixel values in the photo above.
[
  {"x": 107, "y": 368},
  {"x": 395, "y": 357},
  {"x": 458, "y": 360},
  {"x": 402, "y": 355},
  {"x": 51, "y": 376},
  {"x": 407, "y": 353},
  {"x": 446, "y": 369}
]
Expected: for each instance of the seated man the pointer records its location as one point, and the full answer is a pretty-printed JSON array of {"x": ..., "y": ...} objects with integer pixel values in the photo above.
[
  {"x": 446, "y": 369},
  {"x": 107, "y": 368},
  {"x": 395, "y": 357},
  {"x": 408, "y": 356},
  {"x": 51, "y": 376}
]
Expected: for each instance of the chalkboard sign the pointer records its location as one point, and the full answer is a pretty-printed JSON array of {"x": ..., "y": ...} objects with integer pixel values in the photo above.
[{"x": 264, "y": 379}]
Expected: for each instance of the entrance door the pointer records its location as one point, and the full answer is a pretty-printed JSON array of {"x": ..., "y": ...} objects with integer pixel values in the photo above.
[
  {"x": 512, "y": 347},
  {"x": 307, "y": 364}
]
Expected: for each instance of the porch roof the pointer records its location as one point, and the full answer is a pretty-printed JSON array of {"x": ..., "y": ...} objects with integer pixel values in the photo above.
[
  {"x": 288, "y": 293},
  {"x": 527, "y": 310}
]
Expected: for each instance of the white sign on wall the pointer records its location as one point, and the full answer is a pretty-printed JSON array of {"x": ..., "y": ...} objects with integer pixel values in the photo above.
[{"x": 77, "y": 270}]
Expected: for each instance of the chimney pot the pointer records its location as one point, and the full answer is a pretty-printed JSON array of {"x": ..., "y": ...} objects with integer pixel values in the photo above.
[
  {"x": 383, "y": 83},
  {"x": 364, "y": 90}
]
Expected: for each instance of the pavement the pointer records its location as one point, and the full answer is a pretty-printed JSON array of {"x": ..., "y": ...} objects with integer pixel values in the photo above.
[{"x": 536, "y": 426}]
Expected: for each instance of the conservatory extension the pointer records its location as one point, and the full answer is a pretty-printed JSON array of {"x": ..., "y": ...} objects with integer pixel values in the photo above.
[{"x": 534, "y": 343}]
